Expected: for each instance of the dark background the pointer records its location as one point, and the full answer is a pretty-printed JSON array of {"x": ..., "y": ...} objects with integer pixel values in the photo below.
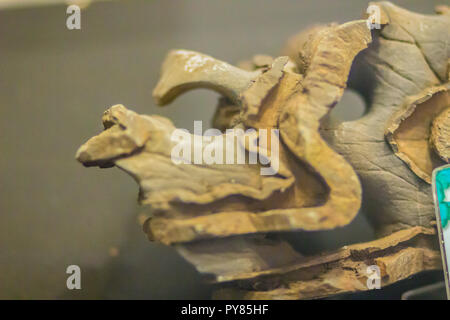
[{"x": 55, "y": 85}]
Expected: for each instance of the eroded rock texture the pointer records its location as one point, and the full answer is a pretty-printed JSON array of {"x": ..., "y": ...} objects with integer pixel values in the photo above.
[{"x": 403, "y": 76}]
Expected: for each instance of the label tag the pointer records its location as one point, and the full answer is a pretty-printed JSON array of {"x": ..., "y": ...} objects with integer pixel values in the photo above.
[{"x": 441, "y": 196}]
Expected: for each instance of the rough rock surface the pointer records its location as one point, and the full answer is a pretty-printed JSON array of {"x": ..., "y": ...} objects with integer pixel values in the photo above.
[{"x": 403, "y": 77}]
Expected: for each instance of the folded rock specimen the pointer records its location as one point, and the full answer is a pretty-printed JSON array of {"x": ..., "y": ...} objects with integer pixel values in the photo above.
[{"x": 222, "y": 216}]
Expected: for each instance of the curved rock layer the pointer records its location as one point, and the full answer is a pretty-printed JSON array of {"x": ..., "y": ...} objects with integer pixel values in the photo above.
[{"x": 314, "y": 188}]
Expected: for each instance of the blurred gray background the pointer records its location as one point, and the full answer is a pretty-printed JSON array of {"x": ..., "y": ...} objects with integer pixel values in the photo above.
[{"x": 55, "y": 85}]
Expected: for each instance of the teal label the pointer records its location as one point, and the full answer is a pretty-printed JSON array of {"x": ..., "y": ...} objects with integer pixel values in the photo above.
[{"x": 442, "y": 185}]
